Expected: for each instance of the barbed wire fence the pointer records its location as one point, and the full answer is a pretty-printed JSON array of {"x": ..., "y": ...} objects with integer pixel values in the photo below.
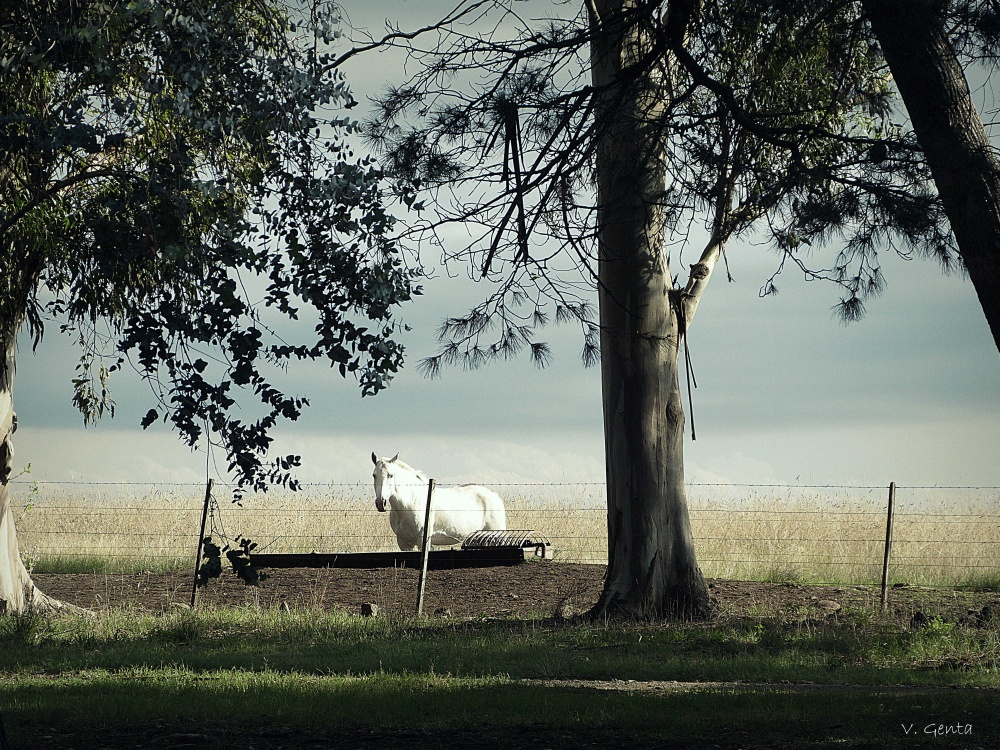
[{"x": 942, "y": 535}]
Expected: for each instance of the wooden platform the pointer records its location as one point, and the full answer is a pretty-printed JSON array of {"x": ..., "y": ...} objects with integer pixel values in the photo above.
[{"x": 444, "y": 559}]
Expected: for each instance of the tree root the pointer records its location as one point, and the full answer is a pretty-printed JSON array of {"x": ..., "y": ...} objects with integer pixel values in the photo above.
[{"x": 38, "y": 603}]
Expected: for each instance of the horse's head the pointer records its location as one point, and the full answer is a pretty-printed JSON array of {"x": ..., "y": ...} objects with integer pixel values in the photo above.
[{"x": 385, "y": 482}]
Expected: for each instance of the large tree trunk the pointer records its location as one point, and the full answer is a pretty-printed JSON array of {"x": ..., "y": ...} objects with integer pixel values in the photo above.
[
  {"x": 652, "y": 572},
  {"x": 951, "y": 134},
  {"x": 18, "y": 592}
]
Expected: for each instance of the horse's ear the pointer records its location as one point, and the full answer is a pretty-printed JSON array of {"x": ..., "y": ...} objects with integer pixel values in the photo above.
[
  {"x": 374, "y": 458},
  {"x": 393, "y": 459}
]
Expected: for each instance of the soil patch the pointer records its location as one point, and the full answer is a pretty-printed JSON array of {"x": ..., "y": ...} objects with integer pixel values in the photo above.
[{"x": 535, "y": 589}]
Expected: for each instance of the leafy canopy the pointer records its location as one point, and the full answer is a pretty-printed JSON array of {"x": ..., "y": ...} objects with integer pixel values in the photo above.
[{"x": 177, "y": 179}]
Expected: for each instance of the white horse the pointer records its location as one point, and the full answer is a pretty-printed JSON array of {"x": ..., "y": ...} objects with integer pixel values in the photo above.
[{"x": 456, "y": 512}]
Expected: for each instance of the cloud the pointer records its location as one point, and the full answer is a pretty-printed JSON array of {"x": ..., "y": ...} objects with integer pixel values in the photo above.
[
  {"x": 101, "y": 455},
  {"x": 534, "y": 458},
  {"x": 732, "y": 468}
]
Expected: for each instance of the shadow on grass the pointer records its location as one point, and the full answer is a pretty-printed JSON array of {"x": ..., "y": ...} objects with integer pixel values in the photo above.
[
  {"x": 308, "y": 643},
  {"x": 112, "y": 710}
]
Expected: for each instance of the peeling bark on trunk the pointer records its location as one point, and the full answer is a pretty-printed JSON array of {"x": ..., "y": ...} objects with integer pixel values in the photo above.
[
  {"x": 951, "y": 133},
  {"x": 18, "y": 593},
  {"x": 652, "y": 570}
]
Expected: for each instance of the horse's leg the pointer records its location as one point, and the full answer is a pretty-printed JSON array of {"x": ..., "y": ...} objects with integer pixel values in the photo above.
[{"x": 407, "y": 545}]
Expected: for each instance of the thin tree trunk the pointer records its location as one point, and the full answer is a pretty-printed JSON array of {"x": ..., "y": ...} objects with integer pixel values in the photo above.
[
  {"x": 951, "y": 133},
  {"x": 652, "y": 570}
]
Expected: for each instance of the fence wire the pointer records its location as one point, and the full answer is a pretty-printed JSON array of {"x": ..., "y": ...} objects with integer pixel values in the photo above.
[{"x": 808, "y": 533}]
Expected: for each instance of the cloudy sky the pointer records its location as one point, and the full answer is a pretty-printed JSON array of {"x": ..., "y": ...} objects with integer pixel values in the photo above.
[{"x": 787, "y": 394}]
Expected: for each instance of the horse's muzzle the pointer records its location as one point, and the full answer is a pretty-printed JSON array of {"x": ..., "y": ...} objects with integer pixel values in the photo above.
[{"x": 380, "y": 505}]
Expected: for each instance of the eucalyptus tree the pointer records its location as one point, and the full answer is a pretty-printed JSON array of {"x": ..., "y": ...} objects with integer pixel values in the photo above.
[
  {"x": 608, "y": 148},
  {"x": 176, "y": 182},
  {"x": 927, "y": 44}
]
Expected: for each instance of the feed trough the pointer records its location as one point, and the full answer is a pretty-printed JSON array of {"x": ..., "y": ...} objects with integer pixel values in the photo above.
[
  {"x": 481, "y": 549},
  {"x": 519, "y": 538}
]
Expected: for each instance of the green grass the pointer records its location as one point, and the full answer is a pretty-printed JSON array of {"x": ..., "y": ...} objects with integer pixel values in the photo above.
[
  {"x": 446, "y": 705},
  {"x": 254, "y": 640},
  {"x": 104, "y": 565},
  {"x": 306, "y": 642},
  {"x": 246, "y": 668},
  {"x": 980, "y": 582}
]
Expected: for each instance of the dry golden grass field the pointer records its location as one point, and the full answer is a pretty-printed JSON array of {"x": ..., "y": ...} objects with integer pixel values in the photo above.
[{"x": 942, "y": 536}]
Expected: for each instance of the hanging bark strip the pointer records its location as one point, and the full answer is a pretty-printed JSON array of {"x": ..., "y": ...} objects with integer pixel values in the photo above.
[
  {"x": 512, "y": 166},
  {"x": 512, "y": 125},
  {"x": 688, "y": 367}
]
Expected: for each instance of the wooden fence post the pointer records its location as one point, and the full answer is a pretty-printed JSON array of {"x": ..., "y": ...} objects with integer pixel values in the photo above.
[
  {"x": 888, "y": 546},
  {"x": 425, "y": 550},
  {"x": 201, "y": 541}
]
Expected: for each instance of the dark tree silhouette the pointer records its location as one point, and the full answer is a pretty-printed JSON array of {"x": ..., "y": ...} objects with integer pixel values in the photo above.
[
  {"x": 581, "y": 153},
  {"x": 161, "y": 158}
]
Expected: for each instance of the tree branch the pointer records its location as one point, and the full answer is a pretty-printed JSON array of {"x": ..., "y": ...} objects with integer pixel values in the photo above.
[
  {"x": 51, "y": 190},
  {"x": 389, "y": 39}
]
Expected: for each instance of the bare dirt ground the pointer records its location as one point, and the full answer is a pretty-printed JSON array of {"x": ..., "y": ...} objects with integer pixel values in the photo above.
[{"x": 530, "y": 590}]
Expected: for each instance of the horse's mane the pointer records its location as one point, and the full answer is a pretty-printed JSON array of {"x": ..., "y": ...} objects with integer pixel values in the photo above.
[{"x": 407, "y": 467}]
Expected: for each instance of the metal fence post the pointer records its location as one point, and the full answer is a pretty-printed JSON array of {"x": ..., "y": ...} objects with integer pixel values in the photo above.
[
  {"x": 201, "y": 541},
  {"x": 888, "y": 546},
  {"x": 425, "y": 550}
]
